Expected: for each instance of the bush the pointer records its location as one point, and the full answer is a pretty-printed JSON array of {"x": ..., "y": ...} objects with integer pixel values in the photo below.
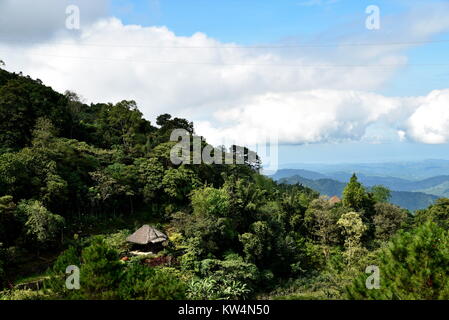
[
  {"x": 132, "y": 284},
  {"x": 100, "y": 271},
  {"x": 21, "y": 295},
  {"x": 164, "y": 285},
  {"x": 233, "y": 268},
  {"x": 41, "y": 227},
  {"x": 211, "y": 288},
  {"x": 413, "y": 266},
  {"x": 117, "y": 241},
  {"x": 140, "y": 282}
]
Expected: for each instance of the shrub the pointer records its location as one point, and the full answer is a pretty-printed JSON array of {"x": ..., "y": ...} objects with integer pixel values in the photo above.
[
  {"x": 164, "y": 285},
  {"x": 211, "y": 288},
  {"x": 100, "y": 271},
  {"x": 413, "y": 266}
]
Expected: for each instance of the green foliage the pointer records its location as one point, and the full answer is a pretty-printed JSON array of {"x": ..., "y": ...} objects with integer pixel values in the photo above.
[
  {"x": 380, "y": 193},
  {"x": 26, "y": 294},
  {"x": 105, "y": 169},
  {"x": 352, "y": 229},
  {"x": 232, "y": 268},
  {"x": 164, "y": 285},
  {"x": 100, "y": 271},
  {"x": 321, "y": 220},
  {"x": 7, "y": 219},
  {"x": 69, "y": 257},
  {"x": 387, "y": 220},
  {"x": 178, "y": 183},
  {"x": 210, "y": 288},
  {"x": 210, "y": 201},
  {"x": 412, "y": 267},
  {"x": 256, "y": 242},
  {"x": 355, "y": 195},
  {"x": 133, "y": 282},
  {"x": 438, "y": 213},
  {"x": 41, "y": 225}
]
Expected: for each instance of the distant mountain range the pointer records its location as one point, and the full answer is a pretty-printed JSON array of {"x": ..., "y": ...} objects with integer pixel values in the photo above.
[
  {"x": 437, "y": 186},
  {"x": 325, "y": 186},
  {"x": 412, "y": 170},
  {"x": 414, "y": 185}
]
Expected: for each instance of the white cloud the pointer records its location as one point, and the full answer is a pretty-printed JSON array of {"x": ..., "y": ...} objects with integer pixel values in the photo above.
[
  {"x": 430, "y": 122},
  {"x": 332, "y": 116},
  {"x": 165, "y": 72},
  {"x": 303, "y": 116},
  {"x": 231, "y": 91}
]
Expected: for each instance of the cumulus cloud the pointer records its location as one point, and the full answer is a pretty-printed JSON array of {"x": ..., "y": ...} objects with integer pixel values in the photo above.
[
  {"x": 430, "y": 121},
  {"x": 332, "y": 116},
  {"x": 192, "y": 75},
  {"x": 304, "y": 95},
  {"x": 304, "y": 116}
]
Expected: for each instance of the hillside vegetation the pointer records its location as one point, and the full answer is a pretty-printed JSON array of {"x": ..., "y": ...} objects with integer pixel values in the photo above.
[
  {"x": 409, "y": 200},
  {"x": 77, "y": 179}
]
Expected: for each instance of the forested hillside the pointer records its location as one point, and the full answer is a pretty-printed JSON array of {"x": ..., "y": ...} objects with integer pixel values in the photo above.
[
  {"x": 76, "y": 179},
  {"x": 409, "y": 200}
]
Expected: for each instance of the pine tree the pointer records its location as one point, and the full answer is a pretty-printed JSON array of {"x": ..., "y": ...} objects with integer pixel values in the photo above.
[
  {"x": 354, "y": 194},
  {"x": 100, "y": 272},
  {"x": 413, "y": 266}
]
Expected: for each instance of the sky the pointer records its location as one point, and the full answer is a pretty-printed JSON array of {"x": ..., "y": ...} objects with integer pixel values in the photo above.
[{"x": 308, "y": 72}]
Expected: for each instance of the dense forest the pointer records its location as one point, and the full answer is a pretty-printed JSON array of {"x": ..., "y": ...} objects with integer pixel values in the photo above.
[{"x": 77, "y": 179}]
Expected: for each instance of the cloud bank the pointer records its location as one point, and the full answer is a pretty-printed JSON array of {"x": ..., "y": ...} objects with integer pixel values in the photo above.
[{"x": 304, "y": 94}]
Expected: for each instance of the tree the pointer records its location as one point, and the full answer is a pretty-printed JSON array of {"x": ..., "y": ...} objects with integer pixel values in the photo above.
[
  {"x": 387, "y": 220},
  {"x": 321, "y": 218},
  {"x": 353, "y": 229},
  {"x": 163, "y": 285},
  {"x": 381, "y": 193},
  {"x": 178, "y": 183},
  {"x": 41, "y": 225},
  {"x": 354, "y": 194},
  {"x": 256, "y": 244},
  {"x": 114, "y": 186},
  {"x": 22, "y": 102},
  {"x": 438, "y": 213},
  {"x": 150, "y": 176},
  {"x": 122, "y": 125},
  {"x": 44, "y": 132},
  {"x": 100, "y": 271},
  {"x": 412, "y": 267},
  {"x": 210, "y": 201},
  {"x": 7, "y": 220}
]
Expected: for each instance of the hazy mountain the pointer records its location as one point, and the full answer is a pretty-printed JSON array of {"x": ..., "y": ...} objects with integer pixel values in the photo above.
[
  {"x": 285, "y": 173},
  {"x": 412, "y": 170},
  {"x": 409, "y": 200},
  {"x": 438, "y": 186}
]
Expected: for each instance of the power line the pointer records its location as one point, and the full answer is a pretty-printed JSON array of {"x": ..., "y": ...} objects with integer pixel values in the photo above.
[
  {"x": 247, "y": 64},
  {"x": 317, "y": 45}
]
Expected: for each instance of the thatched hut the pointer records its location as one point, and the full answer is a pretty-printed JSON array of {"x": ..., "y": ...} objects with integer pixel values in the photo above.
[
  {"x": 147, "y": 238},
  {"x": 334, "y": 200}
]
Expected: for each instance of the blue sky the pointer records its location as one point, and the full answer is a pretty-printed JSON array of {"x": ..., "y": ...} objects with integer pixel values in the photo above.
[{"x": 253, "y": 22}]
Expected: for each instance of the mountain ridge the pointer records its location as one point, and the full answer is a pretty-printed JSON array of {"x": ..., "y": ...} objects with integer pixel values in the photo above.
[{"x": 410, "y": 200}]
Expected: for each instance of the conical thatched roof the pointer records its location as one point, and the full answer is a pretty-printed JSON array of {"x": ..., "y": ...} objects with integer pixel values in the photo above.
[
  {"x": 147, "y": 234},
  {"x": 334, "y": 200}
]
